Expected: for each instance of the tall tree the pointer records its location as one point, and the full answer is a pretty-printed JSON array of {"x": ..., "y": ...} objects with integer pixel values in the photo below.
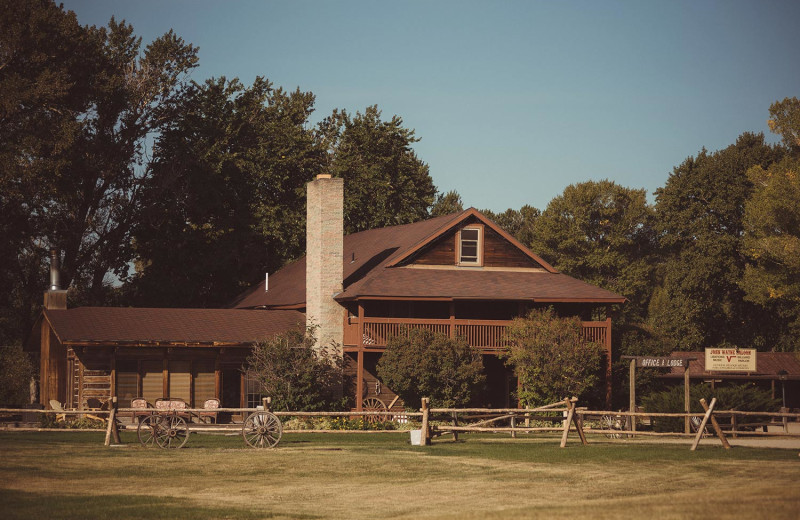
[
  {"x": 386, "y": 183},
  {"x": 785, "y": 121},
  {"x": 772, "y": 233},
  {"x": 772, "y": 246},
  {"x": 78, "y": 106},
  {"x": 700, "y": 214},
  {"x": 225, "y": 199},
  {"x": 601, "y": 232},
  {"x": 519, "y": 222},
  {"x": 447, "y": 203}
]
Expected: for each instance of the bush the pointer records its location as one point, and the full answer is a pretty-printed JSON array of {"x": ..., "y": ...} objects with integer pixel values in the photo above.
[
  {"x": 427, "y": 364},
  {"x": 297, "y": 374},
  {"x": 745, "y": 397},
  {"x": 16, "y": 371},
  {"x": 552, "y": 358}
]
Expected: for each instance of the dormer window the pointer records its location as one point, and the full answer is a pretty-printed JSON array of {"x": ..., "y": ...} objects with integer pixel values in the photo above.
[{"x": 470, "y": 246}]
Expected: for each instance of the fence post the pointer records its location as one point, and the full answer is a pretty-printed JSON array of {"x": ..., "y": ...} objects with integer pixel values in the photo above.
[
  {"x": 426, "y": 433},
  {"x": 112, "y": 429},
  {"x": 266, "y": 402},
  {"x": 714, "y": 423},
  {"x": 702, "y": 426},
  {"x": 513, "y": 426},
  {"x": 567, "y": 422},
  {"x": 455, "y": 423}
]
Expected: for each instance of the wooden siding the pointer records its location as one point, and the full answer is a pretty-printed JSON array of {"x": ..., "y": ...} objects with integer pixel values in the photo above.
[
  {"x": 441, "y": 252},
  {"x": 497, "y": 251},
  {"x": 372, "y": 386}
]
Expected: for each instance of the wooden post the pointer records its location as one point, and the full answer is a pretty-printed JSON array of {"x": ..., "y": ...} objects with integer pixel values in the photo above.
[
  {"x": 360, "y": 380},
  {"x": 608, "y": 362},
  {"x": 702, "y": 427},
  {"x": 426, "y": 434},
  {"x": 716, "y": 427},
  {"x": 567, "y": 422},
  {"x": 111, "y": 429},
  {"x": 513, "y": 425},
  {"x": 266, "y": 402},
  {"x": 632, "y": 402},
  {"x": 360, "y": 359},
  {"x": 579, "y": 426},
  {"x": 734, "y": 425},
  {"x": 455, "y": 423},
  {"x": 452, "y": 319},
  {"x": 686, "y": 402}
]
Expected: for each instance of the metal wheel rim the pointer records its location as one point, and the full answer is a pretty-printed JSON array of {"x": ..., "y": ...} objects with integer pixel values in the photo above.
[
  {"x": 609, "y": 423},
  {"x": 173, "y": 434},
  {"x": 148, "y": 429},
  {"x": 262, "y": 430}
]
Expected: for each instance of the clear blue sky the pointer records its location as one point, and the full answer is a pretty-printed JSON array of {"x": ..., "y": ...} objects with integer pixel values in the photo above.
[{"x": 513, "y": 100}]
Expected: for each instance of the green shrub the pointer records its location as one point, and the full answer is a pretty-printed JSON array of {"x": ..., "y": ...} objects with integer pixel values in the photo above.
[
  {"x": 16, "y": 371},
  {"x": 745, "y": 397},
  {"x": 428, "y": 364},
  {"x": 552, "y": 358},
  {"x": 298, "y": 374}
]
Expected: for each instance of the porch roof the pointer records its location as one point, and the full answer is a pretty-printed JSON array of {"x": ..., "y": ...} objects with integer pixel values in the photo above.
[{"x": 174, "y": 327}]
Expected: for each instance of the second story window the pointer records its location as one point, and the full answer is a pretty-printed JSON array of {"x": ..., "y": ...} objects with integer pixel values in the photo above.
[{"x": 470, "y": 247}]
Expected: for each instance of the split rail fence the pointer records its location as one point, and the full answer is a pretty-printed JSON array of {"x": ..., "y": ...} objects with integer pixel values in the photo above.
[{"x": 565, "y": 417}]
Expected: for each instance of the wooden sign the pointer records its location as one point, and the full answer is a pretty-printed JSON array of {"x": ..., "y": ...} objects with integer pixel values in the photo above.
[
  {"x": 660, "y": 362},
  {"x": 731, "y": 359}
]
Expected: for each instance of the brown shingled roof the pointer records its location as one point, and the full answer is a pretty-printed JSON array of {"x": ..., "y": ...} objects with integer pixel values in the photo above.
[
  {"x": 373, "y": 268},
  {"x": 132, "y": 326},
  {"x": 769, "y": 365}
]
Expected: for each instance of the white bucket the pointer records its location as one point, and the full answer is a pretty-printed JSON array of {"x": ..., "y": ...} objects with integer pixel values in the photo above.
[{"x": 416, "y": 437}]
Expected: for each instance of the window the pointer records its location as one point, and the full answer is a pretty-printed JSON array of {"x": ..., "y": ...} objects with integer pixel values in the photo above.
[
  {"x": 254, "y": 390},
  {"x": 127, "y": 382},
  {"x": 180, "y": 381},
  {"x": 204, "y": 382},
  {"x": 470, "y": 246},
  {"x": 152, "y": 380}
]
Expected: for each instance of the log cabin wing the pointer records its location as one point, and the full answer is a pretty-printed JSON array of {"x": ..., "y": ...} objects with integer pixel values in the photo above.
[{"x": 191, "y": 354}]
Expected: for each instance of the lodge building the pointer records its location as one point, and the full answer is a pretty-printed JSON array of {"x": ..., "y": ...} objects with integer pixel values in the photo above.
[{"x": 458, "y": 274}]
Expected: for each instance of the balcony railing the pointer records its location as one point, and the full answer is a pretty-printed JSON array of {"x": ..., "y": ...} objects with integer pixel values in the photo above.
[{"x": 485, "y": 334}]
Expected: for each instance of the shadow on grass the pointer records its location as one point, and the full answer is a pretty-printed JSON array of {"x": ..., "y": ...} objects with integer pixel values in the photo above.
[{"x": 28, "y": 505}]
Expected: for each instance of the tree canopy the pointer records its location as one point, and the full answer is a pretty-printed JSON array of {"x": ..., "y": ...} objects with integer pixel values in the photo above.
[
  {"x": 227, "y": 180},
  {"x": 79, "y": 105},
  {"x": 386, "y": 184},
  {"x": 700, "y": 215},
  {"x": 602, "y": 233}
]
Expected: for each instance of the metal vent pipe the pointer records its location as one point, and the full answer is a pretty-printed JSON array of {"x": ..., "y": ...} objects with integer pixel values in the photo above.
[{"x": 55, "y": 273}]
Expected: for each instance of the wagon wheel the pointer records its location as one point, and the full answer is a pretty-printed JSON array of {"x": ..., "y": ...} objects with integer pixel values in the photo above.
[
  {"x": 609, "y": 422},
  {"x": 262, "y": 430},
  {"x": 373, "y": 404},
  {"x": 173, "y": 433},
  {"x": 148, "y": 430}
]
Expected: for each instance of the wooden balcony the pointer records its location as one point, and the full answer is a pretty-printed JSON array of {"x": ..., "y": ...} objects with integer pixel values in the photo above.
[{"x": 488, "y": 335}]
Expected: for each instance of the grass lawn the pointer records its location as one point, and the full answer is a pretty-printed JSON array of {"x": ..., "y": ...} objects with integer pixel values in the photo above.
[{"x": 72, "y": 475}]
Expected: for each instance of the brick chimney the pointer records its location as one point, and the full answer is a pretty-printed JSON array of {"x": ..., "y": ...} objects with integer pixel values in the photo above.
[{"x": 324, "y": 251}]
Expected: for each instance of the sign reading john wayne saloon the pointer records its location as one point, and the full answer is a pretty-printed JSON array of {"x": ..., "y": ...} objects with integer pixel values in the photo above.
[{"x": 738, "y": 360}]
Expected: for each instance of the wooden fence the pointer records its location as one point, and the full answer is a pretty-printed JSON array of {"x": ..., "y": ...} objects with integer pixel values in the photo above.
[{"x": 564, "y": 415}]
